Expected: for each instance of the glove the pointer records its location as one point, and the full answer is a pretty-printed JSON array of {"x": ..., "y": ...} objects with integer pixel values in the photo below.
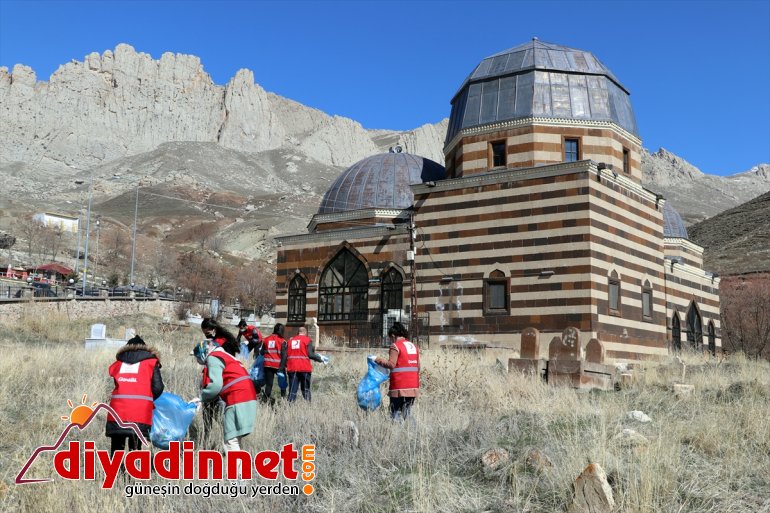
[
  {"x": 197, "y": 402},
  {"x": 372, "y": 358},
  {"x": 325, "y": 359}
]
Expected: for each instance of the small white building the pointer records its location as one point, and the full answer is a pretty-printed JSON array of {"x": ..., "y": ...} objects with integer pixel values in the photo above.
[{"x": 65, "y": 222}]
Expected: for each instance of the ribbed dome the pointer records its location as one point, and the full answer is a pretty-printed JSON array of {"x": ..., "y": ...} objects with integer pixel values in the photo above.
[
  {"x": 540, "y": 79},
  {"x": 380, "y": 181},
  {"x": 673, "y": 226}
]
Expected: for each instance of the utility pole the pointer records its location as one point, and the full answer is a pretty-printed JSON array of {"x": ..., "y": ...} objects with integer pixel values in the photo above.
[
  {"x": 133, "y": 242},
  {"x": 96, "y": 262},
  {"x": 413, "y": 328},
  {"x": 88, "y": 229}
]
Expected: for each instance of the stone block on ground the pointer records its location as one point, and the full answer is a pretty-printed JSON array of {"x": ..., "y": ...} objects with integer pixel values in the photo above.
[
  {"x": 593, "y": 493},
  {"x": 526, "y": 366},
  {"x": 638, "y": 416},
  {"x": 493, "y": 459},
  {"x": 682, "y": 390}
]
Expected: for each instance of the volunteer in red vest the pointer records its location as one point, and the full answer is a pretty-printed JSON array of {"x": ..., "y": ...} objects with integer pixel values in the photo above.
[
  {"x": 138, "y": 383},
  {"x": 299, "y": 352},
  {"x": 216, "y": 336},
  {"x": 274, "y": 352},
  {"x": 225, "y": 378},
  {"x": 251, "y": 334},
  {"x": 404, "y": 365}
]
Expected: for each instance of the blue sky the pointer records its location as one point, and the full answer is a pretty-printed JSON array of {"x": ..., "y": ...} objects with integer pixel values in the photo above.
[{"x": 698, "y": 71}]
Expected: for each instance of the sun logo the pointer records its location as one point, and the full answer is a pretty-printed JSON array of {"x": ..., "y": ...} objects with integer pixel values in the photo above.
[{"x": 80, "y": 413}]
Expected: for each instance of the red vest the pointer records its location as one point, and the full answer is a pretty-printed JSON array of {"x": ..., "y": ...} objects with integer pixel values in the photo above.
[
  {"x": 296, "y": 352},
  {"x": 273, "y": 351},
  {"x": 252, "y": 333},
  {"x": 219, "y": 341},
  {"x": 406, "y": 374},
  {"x": 236, "y": 382},
  {"x": 132, "y": 396}
]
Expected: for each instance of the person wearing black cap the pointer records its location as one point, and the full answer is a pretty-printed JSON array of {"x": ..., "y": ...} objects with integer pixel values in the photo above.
[{"x": 138, "y": 382}]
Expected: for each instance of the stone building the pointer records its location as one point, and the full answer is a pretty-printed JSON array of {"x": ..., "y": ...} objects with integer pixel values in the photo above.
[{"x": 539, "y": 219}]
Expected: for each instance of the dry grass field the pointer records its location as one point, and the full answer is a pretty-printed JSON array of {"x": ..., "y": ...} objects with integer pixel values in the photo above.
[{"x": 706, "y": 453}]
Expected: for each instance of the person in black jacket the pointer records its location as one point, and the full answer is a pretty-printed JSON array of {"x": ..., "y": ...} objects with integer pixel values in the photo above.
[{"x": 138, "y": 382}]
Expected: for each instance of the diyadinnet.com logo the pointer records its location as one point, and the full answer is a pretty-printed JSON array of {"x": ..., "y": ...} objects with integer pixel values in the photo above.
[{"x": 180, "y": 462}]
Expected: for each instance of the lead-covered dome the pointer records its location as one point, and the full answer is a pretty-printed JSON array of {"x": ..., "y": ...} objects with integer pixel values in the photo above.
[
  {"x": 539, "y": 79},
  {"x": 380, "y": 181},
  {"x": 673, "y": 225}
]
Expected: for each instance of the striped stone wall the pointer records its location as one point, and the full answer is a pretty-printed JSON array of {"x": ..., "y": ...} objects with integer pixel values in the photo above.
[
  {"x": 556, "y": 232},
  {"x": 310, "y": 254},
  {"x": 532, "y": 143},
  {"x": 687, "y": 285},
  {"x": 689, "y": 252}
]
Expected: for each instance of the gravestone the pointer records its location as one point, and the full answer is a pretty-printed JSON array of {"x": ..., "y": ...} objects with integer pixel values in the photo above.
[
  {"x": 98, "y": 332},
  {"x": 530, "y": 344},
  {"x": 595, "y": 352},
  {"x": 570, "y": 339}
]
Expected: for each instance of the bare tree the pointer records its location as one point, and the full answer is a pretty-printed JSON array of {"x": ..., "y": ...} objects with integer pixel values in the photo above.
[
  {"x": 51, "y": 240},
  {"x": 161, "y": 262},
  {"x": 255, "y": 286},
  {"x": 745, "y": 302},
  {"x": 29, "y": 229}
]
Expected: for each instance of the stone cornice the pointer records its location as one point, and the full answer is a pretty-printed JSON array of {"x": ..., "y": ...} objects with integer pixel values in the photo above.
[
  {"x": 686, "y": 243},
  {"x": 527, "y": 173},
  {"x": 339, "y": 235},
  {"x": 515, "y": 123},
  {"x": 352, "y": 215}
]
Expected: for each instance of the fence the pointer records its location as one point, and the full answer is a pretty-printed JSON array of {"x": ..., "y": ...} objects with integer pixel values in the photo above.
[{"x": 374, "y": 332}]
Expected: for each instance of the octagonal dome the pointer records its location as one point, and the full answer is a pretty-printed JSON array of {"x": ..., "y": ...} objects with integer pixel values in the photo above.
[
  {"x": 673, "y": 225},
  {"x": 539, "y": 79},
  {"x": 380, "y": 181}
]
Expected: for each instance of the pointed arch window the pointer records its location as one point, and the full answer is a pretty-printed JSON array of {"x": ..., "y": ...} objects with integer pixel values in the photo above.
[
  {"x": 614, "y": 293},
  {"x": 343, "y": 290},
  {"x": 297, "y": 300},
  {"x": 712, "y": 339},
  {"x": 676, "y": 332},
  {"x": 646, "y": 301},
  {"x": 392, "y": 291},
  {"x": 497, "y": 290},
  {"x": 694, "y": 327}
]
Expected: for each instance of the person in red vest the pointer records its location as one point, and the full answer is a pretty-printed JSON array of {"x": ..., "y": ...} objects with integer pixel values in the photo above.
[
  {"x": 274, "y": 352},
  {"x": 216, "y": 336},
  {"x": 138, "y": 383},
  {"x": 252, "y": 335},
  {"x": 299, "y": 352},
  {"x": 404, "y": 365},
  {"x": 225, "y": 378}
]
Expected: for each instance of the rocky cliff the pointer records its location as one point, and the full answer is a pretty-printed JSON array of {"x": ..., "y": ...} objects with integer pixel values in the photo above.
[{"x": 124, "y": 102}]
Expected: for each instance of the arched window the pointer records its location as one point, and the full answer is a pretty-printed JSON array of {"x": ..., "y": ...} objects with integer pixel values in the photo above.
[
  {"x": 647, "y": 301},
  {"x": 676, "y": 332},
  {"x": 297, "y": 299},
  {"x": 343, "y": 291},
  {"x": 694, "y": 327},
  {"x": 712, "y": 339},
  {"x": 614, "y": 293},
  {"x": 496, "y": 293},
  {"x": 392, "y": 291}
]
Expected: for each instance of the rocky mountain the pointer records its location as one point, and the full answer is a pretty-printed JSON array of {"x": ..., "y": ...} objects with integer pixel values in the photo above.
[
  {"x": 738, "y": 239},
  {"x": 123, "y": 103},
  {"x": 686, "y": 187}
]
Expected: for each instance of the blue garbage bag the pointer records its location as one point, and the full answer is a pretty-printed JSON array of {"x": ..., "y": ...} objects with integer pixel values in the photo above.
[
  {"x": 368, "y": 394},
  {"x": 171, "y": 418},
  {"x": 257, "y": 371},
  {"x": 283, "y": 383},
  {"x": 244, "y": 351}
]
